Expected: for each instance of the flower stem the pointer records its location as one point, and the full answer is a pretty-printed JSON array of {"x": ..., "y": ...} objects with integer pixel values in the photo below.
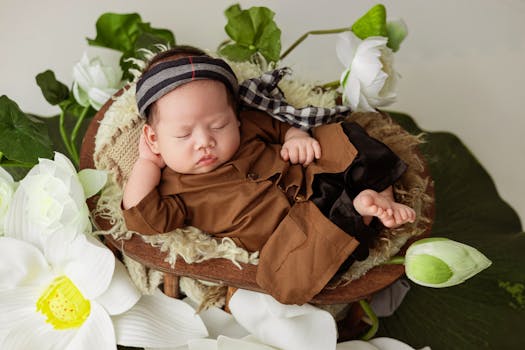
[
  {"x": 74, "y": 133},
  {"x": 224, "y": 43},
  {"x": 14, "y": 163},
  {"x": 373, "y": 318},
  {"x": 313, "y": 32},
  {"x": 396, "y": 260},
  {"x": 65, "y": 139}
]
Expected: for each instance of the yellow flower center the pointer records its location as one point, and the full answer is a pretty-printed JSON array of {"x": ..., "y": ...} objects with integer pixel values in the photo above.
[{"x": 63, "y": 304}]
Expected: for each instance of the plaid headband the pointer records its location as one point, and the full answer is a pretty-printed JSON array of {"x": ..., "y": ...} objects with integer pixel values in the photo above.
[{"x": 166, "y": 76}]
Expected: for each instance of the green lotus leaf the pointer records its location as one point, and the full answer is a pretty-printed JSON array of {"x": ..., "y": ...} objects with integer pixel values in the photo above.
[
  {"x": 372, "y": 23},
  {"x": 237, "y": 52},
  {"x": 127, "y": 33},
  {"x": 22, "y": 138},
  {"x": 121, "y": 32},
  {"x": 488, "y": 310},
  {"x": 252, "y": 30},
  {"x": 53, "y": 90},
  {"x": 232, "y": 11}
]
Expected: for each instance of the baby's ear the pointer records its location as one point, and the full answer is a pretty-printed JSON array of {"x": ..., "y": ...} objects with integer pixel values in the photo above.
[{"x": 150, "y": 136}]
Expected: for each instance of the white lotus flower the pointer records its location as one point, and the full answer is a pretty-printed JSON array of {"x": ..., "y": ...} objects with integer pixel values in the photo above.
[
  {"x": 442, "y": 262},
  {"x": 284, "y": 326},
  {"x": 252, "y": 343},
  {"x": 94, "y": 83},
  {"x": 227, "y": 334},
  {"x": 7, "y": 188},
  {"x": 226, "y": 343},
  {"x": 52, "y": 198},
  {"x": 65, "y": 298},
  {"x": 369, "y": 80},
  {"x": 381, "y": 343}
]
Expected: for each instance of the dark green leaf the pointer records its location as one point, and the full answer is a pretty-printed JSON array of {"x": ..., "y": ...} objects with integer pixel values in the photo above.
[
  {"x": 254, "y": 30},
  {"x": 18, "y": 173},
  {"x": 122, "y": 31},
  {"x": 125, "y": 65},
  {"x": 260, "y": 17},
  {"x": 269, "y": 43},
  {"x": 232, "y": 11},
  {"x": 117, "y": 31},
  {"x": 127, "y": 33},
  {"x": 373, "y": 23},
  {"x": 54, "y": 91},
  {"x": 236, "y": 52},
  {"x": 149, "y": 38},
  {"x": 487, "y": 311},
  {"x": 241, "y": 29},
  {"x": 22, "y": 139}
]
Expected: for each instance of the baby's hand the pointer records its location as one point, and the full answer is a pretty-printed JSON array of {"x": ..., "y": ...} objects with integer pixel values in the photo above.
[
  {"x": 301, "y": 148},
  {"x": 146, "y": 153}
]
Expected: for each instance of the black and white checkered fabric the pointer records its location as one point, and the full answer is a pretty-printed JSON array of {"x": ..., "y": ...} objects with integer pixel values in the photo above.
[{"x": 263, "y": 94}]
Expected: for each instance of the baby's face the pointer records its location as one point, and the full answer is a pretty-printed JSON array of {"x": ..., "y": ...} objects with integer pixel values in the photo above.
[{"x": 196, "y": 128}]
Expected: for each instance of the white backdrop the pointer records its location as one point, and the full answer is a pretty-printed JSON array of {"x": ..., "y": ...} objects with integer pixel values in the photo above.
[{"x": 462, "y": 64}]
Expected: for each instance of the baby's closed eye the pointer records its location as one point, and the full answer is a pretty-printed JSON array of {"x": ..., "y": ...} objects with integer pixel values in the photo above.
[
  {"x": 182, "y": 136},
  {"x": 218, "y": 127}
]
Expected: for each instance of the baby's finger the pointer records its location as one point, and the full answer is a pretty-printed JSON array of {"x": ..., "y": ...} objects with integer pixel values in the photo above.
[
  {"x": 284, "y": 154},
  {"x": 293, "y": 155},
  {"x": 302, "y": 154},
  {"x": 309, "y": 155},
  {"x": 317, "y": 149}
]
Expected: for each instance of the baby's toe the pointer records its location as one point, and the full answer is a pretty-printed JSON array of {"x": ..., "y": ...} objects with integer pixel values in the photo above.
[
  {"x": 389, "y": 221},
  {"x": 412, "y": 215},
  {"x": 397, "y": 216}
]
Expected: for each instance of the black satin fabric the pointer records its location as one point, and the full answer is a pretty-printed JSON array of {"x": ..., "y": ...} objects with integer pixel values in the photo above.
[{"x": 375, "y": 167}]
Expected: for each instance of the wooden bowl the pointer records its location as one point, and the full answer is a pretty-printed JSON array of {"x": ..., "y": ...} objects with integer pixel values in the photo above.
[{"x": 223, "y": 271}]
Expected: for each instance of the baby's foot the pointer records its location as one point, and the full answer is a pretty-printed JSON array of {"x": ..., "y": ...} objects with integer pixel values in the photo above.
[
  {"x": 369, "y": 203},
  {"x": 401, "y": 215}
]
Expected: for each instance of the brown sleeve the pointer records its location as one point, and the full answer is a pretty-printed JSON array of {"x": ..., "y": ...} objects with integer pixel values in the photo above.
[
  {"x": 262, "y": 125},
  {"x": 155, "y": 214}
]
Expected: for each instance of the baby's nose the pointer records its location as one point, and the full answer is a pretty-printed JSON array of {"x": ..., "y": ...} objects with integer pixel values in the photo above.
[{"x": 204, "y": 140}]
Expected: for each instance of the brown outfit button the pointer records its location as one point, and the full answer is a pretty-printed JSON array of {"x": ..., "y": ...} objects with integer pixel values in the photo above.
[{"x": 253, "y": 176}]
